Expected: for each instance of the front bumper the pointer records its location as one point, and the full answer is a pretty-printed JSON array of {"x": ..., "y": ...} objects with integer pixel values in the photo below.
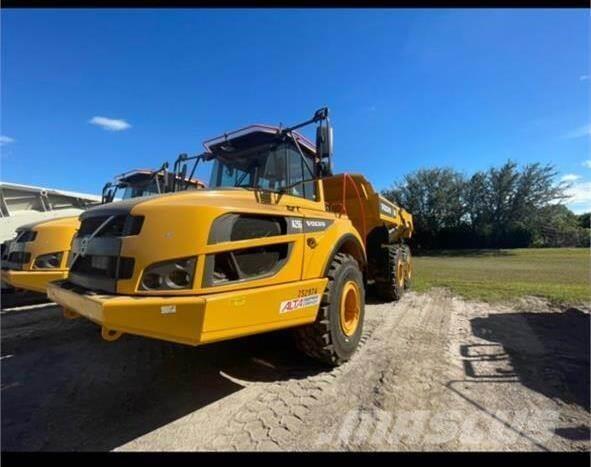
[
  {"x": 191, "y": 319},
  {"x": 36, "y": 281}
]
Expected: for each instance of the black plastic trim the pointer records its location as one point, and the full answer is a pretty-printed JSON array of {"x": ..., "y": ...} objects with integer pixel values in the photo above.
[
  {"x": 93, "y": 282},
  {"x": 208, "y": 270}
]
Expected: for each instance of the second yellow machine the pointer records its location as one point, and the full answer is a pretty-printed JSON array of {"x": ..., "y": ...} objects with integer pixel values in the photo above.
[
  {"x": 276, "y": 241},
  {"x": 39, "y": 252}
]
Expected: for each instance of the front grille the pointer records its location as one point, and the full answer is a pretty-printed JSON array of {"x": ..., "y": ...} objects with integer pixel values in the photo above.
[
  {"x": 119, "y": 226},
  {"x": 25, "y": 236},
  {"x": 108, "y": 267},
  {"x": 126, "y": 267},
  {"x": 20, "y": 257},
  {"x": 101, "y": 267},
  {"x": 4, "y": 249}
]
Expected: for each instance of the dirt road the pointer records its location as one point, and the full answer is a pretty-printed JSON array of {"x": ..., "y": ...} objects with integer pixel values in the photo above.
[{"x": 434, "y": 373}]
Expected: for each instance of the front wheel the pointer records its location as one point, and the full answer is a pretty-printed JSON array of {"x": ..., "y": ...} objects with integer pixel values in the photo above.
[{"x": 335, "y": 335}]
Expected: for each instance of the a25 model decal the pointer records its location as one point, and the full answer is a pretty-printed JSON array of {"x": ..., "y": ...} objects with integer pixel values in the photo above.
[{"x": 309, "y": 225}]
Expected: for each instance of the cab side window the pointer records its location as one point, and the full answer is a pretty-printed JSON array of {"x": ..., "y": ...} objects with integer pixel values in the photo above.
[{"x": 299, "y": 176}]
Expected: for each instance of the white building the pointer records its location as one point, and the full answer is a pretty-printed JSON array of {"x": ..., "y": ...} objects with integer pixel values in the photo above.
[{"x": 22, "y": 204}]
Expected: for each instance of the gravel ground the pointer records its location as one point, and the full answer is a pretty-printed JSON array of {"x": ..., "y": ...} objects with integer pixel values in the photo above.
[{"x": 434, "y": 372}]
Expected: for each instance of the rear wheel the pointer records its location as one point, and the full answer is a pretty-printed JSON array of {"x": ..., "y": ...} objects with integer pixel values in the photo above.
[
  {"x": 390, "y": 286},
  {"x": 335, "y": 334}
]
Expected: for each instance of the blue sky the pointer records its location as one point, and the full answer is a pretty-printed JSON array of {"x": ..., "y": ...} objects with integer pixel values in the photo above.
[{"x": 406, "y": 88}]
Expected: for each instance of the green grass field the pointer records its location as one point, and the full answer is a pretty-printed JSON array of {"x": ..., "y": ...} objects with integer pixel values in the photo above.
[{"x": 561, "y": 275}]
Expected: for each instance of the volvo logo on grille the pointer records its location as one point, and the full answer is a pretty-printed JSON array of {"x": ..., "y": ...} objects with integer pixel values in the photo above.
[{"x": 83, "y": 247}]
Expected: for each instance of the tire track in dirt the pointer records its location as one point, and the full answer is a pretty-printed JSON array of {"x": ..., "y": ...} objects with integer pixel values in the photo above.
[
  {"x": 374, "y": 382},
  {"x": 66, "y": 389},
  {"x": 280, "y": 410}
]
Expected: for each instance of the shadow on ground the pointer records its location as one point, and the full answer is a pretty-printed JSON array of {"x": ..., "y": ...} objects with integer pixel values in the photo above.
[
  {"x": 16, "y": 298},
  {"x": 65, "y": 389},
  {"x": 547, "y": 352}
]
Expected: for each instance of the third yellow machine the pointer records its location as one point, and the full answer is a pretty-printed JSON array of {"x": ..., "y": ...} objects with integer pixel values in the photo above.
[{"x": 276, "y": 241}]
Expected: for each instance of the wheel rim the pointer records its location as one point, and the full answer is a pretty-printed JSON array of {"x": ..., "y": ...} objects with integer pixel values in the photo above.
[
  {"x": 409, "y": 270},
  {"x": 350, "y": 308}
]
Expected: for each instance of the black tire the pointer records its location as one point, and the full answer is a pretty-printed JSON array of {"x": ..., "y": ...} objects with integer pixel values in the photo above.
[
  {"x": 325, "y": 339},
  {"x": 408, "y": 260},
  {"x": 390, "y": 288}
]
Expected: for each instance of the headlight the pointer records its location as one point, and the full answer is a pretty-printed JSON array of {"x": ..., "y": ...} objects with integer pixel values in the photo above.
[
  {"x": 49, "y": 261},
  {"x": 169, "y": 275}
]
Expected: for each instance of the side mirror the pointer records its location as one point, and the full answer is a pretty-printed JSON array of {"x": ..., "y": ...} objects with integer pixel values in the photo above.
[
  {"x": 108, "y": 195},
  {"x": 106, "y": 192},
  {"x": 324, "y": 141}
]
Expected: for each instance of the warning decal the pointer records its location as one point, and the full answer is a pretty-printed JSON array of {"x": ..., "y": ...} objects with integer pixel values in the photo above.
[{"x": 297, "y": 303}]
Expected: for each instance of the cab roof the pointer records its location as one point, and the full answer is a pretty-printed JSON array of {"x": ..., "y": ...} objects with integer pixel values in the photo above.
[
  {"x": 136, "y": 175},
  {"x": 253, "y": 136}
]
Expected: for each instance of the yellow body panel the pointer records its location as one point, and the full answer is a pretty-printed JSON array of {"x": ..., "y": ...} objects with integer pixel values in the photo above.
[
  {"x": 169, "y": 230},
  {"x": 32, "y": 280},
  {"x": 196, "y": 320},
  {"x": 53, "y": 236}
]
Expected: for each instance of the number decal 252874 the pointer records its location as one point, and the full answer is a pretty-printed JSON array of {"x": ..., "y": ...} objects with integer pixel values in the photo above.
[{"x": 307, "y": 292}]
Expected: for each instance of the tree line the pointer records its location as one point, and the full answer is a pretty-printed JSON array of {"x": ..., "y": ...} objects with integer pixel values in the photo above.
[{"x": 502, "y": 207}]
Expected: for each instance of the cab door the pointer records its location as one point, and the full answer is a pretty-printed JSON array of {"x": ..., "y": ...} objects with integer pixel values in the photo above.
[{"x": 316, "y": 224}]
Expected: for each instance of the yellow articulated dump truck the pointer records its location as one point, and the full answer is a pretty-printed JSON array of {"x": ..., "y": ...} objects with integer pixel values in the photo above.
[
  {"x": 276, "y": 241},
  {"x": 39, "y": 252}
]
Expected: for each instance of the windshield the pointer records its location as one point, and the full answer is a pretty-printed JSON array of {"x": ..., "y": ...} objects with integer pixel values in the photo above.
[
  {"x": 279, "y": 168},
  {"x": 135, "y": 191},
  {"x": 145, "y": 185}
]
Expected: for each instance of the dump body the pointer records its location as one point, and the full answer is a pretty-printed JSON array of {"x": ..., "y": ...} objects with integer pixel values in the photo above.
[{"x": 354, "y": 195}]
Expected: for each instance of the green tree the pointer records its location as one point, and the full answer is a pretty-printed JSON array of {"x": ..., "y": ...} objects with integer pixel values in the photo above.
[
  {"x": 584, "y": 220},
  {"x": 557, "y": 226},
  {"x": 498, "y": 207},
  {"x": 435, "y": 197}
]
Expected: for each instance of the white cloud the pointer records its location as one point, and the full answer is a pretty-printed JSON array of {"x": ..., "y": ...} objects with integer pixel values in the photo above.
[
  {"x": 583, "y": 77},
  {"x": 570, "y": 177},
  {"x": 580, "y": 132},
  {"x": 110, "y": 124},
  {"x": 587, "y": 163},
  {"x": 6, "y": 140},
  {"x": 579, "y": 197}
]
